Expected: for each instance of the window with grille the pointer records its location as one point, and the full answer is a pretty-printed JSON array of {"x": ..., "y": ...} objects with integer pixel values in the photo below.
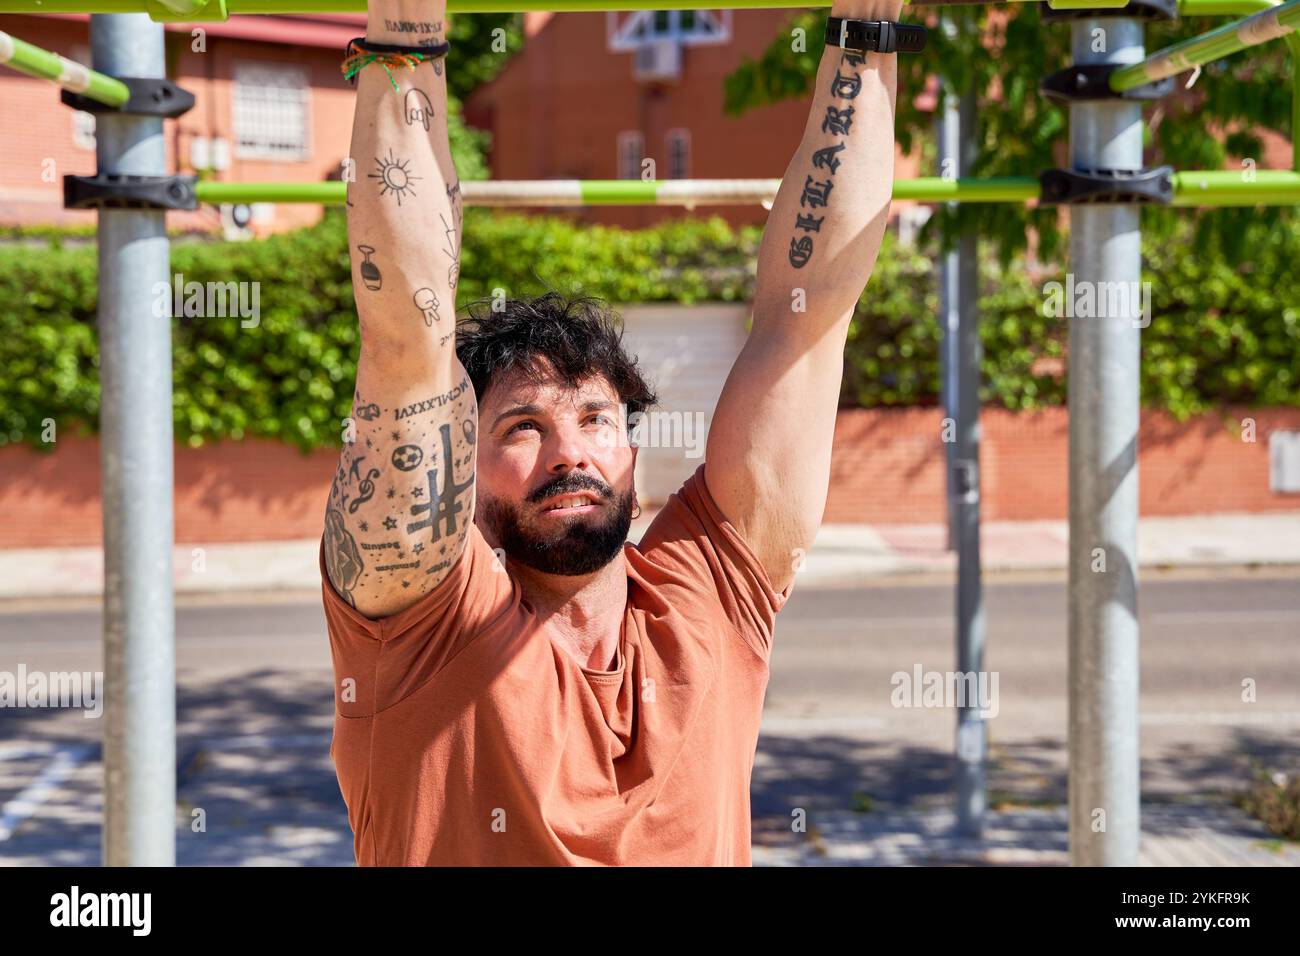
[
  {"x": 631, "y": 147},
  {"x": 679, "y": 154},
  {"x": 271, "y": 112}
]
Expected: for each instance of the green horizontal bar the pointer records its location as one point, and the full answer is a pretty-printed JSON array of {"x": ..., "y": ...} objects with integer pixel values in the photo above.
[
  {"x": 619, "y": 192},
  {"x": 42, "y": 64},
  {"x": 1266, "y": 187},
  {"x": 1195, "y": 8},
  {"x": 1222, "y": 8},
  {"x": 628, "y": 192},
  {"x": 937, "y": 189},
  {"x": 1207, "y": 47},
  {"x": 1194, "y": 188}
]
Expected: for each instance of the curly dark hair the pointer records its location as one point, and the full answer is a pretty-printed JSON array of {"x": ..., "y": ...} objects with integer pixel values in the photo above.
[{"x": 578, "y": 336}]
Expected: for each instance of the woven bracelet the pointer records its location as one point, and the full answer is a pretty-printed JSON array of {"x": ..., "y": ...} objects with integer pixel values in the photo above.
[{"x": 361, "y": 53}]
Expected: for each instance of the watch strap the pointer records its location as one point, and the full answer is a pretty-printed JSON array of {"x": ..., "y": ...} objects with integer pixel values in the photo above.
[{"x": 874, "y": 36}]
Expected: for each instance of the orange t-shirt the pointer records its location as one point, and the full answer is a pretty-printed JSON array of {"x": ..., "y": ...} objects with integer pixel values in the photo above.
[{"x": 467, "y": 738}]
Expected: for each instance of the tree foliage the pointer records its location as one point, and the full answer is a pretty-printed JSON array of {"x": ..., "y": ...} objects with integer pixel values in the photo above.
[{"x": 1003, "y": 53}]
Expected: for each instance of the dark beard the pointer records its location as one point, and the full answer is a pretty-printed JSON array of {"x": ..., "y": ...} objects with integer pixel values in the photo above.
[{"x": 576, "y": 547}]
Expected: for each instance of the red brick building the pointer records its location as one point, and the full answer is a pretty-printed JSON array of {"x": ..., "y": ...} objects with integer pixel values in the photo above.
[
  {"x": 270, "y": 104},
  {"x": 596, "y": 95}
]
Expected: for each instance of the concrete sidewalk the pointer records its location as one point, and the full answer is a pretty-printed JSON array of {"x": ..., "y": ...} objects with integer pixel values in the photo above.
[{"x": 844, "y": 554}]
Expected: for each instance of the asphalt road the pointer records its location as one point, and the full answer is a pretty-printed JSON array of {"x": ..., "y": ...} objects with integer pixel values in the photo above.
[{"x": 255, "y": 707}]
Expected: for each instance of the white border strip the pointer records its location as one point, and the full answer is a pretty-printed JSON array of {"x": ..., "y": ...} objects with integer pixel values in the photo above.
[{"x": 29, "y": 800}]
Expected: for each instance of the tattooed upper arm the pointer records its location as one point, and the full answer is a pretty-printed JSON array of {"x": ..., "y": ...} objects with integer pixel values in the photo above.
[{"x": 402, "y": 500}]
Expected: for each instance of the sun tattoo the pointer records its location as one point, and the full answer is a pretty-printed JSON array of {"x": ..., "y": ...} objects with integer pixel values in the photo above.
[{"x": 396, "y": 176}]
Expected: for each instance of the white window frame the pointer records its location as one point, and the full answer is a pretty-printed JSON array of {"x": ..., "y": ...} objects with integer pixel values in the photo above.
[
  {"x": 626, "y": 139},
  {"x": 298, "y": 81},
  {"x": 622, "y": 36}
]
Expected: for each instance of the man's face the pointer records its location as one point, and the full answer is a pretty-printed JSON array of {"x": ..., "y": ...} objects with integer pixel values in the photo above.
[{"x": 554, "y": 473}]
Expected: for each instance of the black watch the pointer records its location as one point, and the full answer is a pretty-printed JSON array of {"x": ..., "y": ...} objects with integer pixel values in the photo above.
[{"x": 874, "y": 36}]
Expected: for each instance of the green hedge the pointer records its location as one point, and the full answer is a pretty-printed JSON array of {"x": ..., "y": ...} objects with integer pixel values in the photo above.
[{"x": 1221, "y": 333}]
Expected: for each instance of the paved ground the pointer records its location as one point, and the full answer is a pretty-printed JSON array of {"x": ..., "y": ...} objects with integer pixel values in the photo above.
[
  {"x": 255, "y": 714},
  {"x": 1198, "y": 834}
]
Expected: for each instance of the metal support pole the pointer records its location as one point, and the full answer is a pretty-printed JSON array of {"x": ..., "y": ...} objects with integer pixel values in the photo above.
[
  {"x": 948, "y": 134},
  {"x": 961, "y": 279},
  {"x": 1105, "y": 252},
  {"x": 136, "y": 467}
]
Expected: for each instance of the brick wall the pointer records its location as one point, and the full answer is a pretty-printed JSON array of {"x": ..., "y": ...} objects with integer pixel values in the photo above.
[
  {"x": 888, "y": 468},
  {"x": 31, "y": 192},
  {"x": 889, "y": 465}
]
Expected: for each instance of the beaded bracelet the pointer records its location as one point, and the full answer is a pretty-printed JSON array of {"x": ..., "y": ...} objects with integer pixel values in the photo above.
[{"x": 361, "y": 53}]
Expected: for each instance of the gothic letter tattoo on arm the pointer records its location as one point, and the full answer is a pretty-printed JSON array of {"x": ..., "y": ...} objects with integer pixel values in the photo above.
[{"x": 816, "y": 193}]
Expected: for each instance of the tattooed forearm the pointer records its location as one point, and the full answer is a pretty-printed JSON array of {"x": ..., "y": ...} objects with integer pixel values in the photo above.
[
  {"x": 816, "y": 192},
  {"x": 402, "y": 498},
  {"x": 400, "y": 151}
]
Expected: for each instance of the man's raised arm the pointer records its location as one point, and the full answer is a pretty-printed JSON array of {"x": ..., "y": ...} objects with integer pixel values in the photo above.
[
  {"x": 769, "y": 451},
  {"x": 403, "y": 496}
]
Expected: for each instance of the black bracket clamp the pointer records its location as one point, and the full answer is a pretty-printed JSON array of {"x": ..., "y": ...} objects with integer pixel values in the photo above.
[
  {"x": 150, "y": 96},
  {"x": 1091, "y": 81},
  {"x": 125, "y": 191},
  {"x": 1135, "y": 9},
  {"x": 1069, "y": 187}
]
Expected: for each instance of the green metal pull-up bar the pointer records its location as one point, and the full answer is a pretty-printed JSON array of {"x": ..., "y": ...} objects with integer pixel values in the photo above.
[
  {"x": 625, "y": 192},
  {"x": 1197, "y": 51},
  {"x": 32, "y": 60},
  {"x": 1193, "y": 188}
]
